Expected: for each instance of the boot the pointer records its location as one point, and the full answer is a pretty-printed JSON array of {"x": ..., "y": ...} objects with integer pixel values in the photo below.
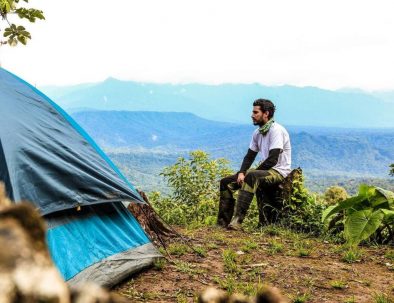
[
  {"x": 226, "y": 210},
  {"x": 243, "y": 203}
]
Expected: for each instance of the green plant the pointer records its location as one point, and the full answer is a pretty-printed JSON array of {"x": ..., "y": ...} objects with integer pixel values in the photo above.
[
  {"x": 391, "y": 173},
  {"x": 194, "y": 195},
  {"x": 17, "y": 33},
  {"x": 177, "y": 249},
  {"x": 201, "y": 251},
  {"x": 229, "y": 257},
  {"x": 303, "y": 248},
  {"x": 187, "y": 267},
  {"x": 335, "y": 194},
  {"x": 302, "y": 210},
  {"x": 274, "y": 247},
  {"x": 301, "y": 298},
  {"x": 249, "y": 245},
  {"x": 338, "y": 284},
  {"x": 159, "y": 264},
  {"x": 228, "y": 283},
  {"x": 372, "y": 210},
  {"x": 351, "y": 255},
  {"x": 350, "y": 300},
  {"x": 390, "y": 254},
  {"x": 382, "y": 298}
]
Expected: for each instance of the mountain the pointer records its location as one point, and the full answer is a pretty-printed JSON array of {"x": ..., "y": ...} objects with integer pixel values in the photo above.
[
  {"x": 232, "y": 102},
  {"x": 165, "y": 136}
]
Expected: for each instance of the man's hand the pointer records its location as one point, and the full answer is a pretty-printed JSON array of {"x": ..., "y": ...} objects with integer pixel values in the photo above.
[{"x": 240, "y": 179}]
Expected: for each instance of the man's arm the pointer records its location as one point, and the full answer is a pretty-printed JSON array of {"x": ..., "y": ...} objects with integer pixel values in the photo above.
[
  {"x": 248, "y": 161},
  {"x": 272, "y": 159},
  {"x": 246, "y": 164}
]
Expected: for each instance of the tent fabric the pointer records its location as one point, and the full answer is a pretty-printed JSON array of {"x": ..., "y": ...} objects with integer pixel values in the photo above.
[
  {"x": 47, "y": 158},
  {"x": 103, "y": 243}
]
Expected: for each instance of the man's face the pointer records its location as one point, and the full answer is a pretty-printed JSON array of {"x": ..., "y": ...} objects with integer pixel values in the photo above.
[{"x": 259, "y": 117}]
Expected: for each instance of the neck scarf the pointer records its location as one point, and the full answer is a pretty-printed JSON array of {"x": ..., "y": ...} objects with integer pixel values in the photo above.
[{"x": 266, "y": 127}]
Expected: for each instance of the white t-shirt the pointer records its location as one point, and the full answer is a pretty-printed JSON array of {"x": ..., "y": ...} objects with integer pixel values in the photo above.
[{"x": 277, "y": 137}]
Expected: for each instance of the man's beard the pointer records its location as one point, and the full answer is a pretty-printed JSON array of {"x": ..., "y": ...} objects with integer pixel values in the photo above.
[{"x": 261, "y": 123}]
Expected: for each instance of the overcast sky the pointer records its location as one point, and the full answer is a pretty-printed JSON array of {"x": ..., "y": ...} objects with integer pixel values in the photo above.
[{"x": 328, "y": 44}]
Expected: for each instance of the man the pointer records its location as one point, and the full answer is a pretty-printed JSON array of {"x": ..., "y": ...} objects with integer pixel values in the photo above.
[{"x": 273, "y": 142}]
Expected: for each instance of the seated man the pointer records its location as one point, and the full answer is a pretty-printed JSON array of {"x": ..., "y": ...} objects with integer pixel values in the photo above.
[{"x": 273, "y": 142}]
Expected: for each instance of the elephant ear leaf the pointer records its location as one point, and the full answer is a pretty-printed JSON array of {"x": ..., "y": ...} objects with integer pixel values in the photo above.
[
  {"x": 360, "y": 225},
  {"x": 388, "y": 215},
  {"x": 388, "y": 195},
  {"x": 346, "y": 204}
]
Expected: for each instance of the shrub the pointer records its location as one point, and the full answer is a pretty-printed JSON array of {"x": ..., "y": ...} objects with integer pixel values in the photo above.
[
  {"x": 369, "y": 213},
  {"x": 302, "y": 210},
  {"x": 194, "y": 189},
  {"x": 335, "y": 194}
]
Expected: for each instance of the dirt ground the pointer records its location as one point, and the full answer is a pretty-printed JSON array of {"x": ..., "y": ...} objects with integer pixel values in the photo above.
[{"x": 304, "y": 269}]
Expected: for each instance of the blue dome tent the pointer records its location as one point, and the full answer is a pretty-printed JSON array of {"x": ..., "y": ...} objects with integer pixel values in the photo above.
[{"x": 48, "y": 159}]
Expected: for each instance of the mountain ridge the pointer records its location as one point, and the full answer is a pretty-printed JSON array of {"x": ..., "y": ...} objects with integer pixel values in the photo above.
[{"x": 232, "y": 102}]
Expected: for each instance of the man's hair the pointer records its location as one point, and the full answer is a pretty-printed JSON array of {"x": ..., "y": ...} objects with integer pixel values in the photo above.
[{"x": 265, "y": 105}]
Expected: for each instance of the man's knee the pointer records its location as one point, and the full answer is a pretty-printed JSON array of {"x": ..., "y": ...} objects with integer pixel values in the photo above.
[{"x": 226, "y": 181}]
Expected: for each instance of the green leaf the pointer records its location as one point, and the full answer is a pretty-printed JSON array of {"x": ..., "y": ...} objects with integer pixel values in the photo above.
[
  {"x": 326, "y": 212},
  {"x": 360, "y": 225},
  {"x": 388, "y": 214},
  {"x": 389, "y": 195},
  {"x": 348, "y": 203}
]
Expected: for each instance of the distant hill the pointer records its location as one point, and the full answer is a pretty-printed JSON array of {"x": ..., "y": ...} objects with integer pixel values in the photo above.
[
  {"x": 232, "y": 102},
  {"x": 162, "y": 137}
]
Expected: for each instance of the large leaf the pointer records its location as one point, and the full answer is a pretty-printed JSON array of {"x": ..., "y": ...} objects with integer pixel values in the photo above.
[
  {"x": 348, "y": 203},
  {"x": 388, "y": 215},
  {"x": 389, "y": 195},
  {"x": 366, "y": 190},
  {"x": 360, "y": 225}
]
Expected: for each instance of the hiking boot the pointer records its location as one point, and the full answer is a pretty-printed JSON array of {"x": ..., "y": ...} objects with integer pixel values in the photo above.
[
  {"x": 235, "y": 224},
  {"x": 243, "y": 203},
  {"x": 226, "y": 210}
]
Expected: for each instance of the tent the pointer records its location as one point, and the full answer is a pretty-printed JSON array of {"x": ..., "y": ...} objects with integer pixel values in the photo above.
[{"x": 48, "y": 159}]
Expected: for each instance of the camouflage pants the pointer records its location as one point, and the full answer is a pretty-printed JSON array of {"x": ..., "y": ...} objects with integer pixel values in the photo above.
[{"x": 263, "y": 183}]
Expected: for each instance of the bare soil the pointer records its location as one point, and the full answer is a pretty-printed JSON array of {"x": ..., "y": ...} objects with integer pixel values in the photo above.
[{"x": 304, "y": 269}]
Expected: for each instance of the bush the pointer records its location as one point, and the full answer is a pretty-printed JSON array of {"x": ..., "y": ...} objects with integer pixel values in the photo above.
[
  {"x": 194, "y": 196},
  {"x": 335, "y": 194},
  {"x": 302, "y": 211},
  {"x": 369, "y": 214}
]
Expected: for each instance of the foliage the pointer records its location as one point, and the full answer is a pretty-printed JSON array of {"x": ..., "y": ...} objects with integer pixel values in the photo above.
[
  {"x": 335, "y": 194},
  {"x": 194, "y": 190},
  {"x": 17, "y": 33},
  {"x": 371, "y": 211},
  {"x": 392, "y": 170},
  {"x": 302, "y": 210}
]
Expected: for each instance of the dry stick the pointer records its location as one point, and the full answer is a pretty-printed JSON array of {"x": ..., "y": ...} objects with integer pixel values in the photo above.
[{"x": 171, "y": 229}]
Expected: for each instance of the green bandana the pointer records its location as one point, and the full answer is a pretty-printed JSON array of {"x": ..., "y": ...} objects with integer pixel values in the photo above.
[{"x": 266, "y": 127}]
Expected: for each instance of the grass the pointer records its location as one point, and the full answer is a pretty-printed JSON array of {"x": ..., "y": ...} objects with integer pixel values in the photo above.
[
  {"x": 177, "y": 249},
  {"x": 229, "y": 257},
  {"x": 200, "y": 251},
  {"x": 389, "y": 254},
  {"x": 338, "y": 284},
  {"x": 351, "y": 256},
  {"x": 350, "y": 300},
  {"x": 301, "y": 298},
  {"x": 159, "y": 263},
  {"x": 382, "y": 298},
  {"x": 249, "y": 245},
  {"x": 303, "y": 248},
  {"x": 187, "y": 268},
  {"x": 227, "y": 283},
  {"x": 274, "y": 247}
]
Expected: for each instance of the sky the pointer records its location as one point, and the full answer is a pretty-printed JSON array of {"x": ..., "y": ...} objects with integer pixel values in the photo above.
[{"x": 328, "y": 44}]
